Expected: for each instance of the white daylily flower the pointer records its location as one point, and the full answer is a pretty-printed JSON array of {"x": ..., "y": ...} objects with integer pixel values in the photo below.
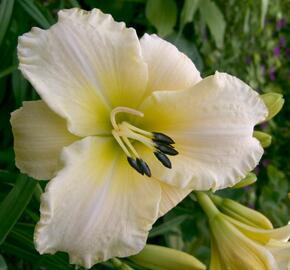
[{"x": 96, "y": 80}]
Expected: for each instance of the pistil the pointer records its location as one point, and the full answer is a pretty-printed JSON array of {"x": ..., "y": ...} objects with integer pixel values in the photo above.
[{"x": 160, "y": 144}]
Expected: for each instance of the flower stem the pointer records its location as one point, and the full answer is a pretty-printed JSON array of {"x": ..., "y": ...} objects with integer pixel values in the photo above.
[
  {"x": 216, "y": 199},
  {"x": 206, "y": 204}
]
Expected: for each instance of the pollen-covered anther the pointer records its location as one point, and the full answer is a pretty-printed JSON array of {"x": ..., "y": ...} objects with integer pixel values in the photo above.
[
  {"x": 166, "y": 149},
  {"x": 163, "y": 159},
  {"x": 144, "y": 166},
  {"x": 126, "y": 134},
  {"x": 160, "y": 137},
  {"x": 134, "y": 164}
]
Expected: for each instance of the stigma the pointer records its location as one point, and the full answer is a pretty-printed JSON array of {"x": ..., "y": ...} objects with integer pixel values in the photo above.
[{"x": 127, "y": 134}]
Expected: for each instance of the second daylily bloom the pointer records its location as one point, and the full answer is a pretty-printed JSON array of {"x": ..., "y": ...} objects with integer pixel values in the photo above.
[
  {"x": 243, "y": 238},
  {"x": 126, "y": 128}
]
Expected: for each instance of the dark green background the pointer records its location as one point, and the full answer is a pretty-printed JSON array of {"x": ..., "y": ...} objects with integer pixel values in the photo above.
[{"x": 249, "y": 39}]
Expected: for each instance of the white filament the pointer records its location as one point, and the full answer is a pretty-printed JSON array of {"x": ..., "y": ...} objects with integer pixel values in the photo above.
[
  {"x": 123, "y": 110},
  {"x": 125, "y": 131}
]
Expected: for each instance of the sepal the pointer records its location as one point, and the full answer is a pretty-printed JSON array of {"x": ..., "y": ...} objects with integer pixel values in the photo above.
[
  {"x": 247, "y": 181},
  {"x": 264, "y": 138},
  {"x": 274, "y": 103}
]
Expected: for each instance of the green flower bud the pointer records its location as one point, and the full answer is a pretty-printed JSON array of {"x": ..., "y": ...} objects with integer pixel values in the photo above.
[
  {"x": 264, "y": 138},
  {"x": 160, "y": 258},
  {"x": 118, "y": 264},
  {"x": 274, "y": 103},
  {"x": 242, "y": 213},
  {"x": 248, "y": 180}
]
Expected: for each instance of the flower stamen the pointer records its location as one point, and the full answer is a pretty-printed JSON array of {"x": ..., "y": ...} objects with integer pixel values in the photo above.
[
  {"x": 120, "y": 142},
  {"x": 159, "y": 143},
  {"x": 124, "y": 110},
  {"x": 128, "y": 143}
]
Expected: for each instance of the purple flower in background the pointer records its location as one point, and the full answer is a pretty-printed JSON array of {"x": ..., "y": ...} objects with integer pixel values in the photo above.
[
  {"x": 247, "y": 189},
  {"x": 266, "y": 162},
  {"x": 257, "y": 170},
  {"x": 287, "y": 52},
  {"x": 281, "y": 24},
  {"x": 282, "y": 41},
  {"x": 289, "y": 74},
  {"x": 272, "y": 74},
  {"x": 276, "y": 51},
  {"x": 248, "y": 59},
  {"x": 264, "y": 125}
]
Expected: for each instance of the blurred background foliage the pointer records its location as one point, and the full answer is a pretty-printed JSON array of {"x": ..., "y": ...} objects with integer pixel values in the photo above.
[{"x": 249, "y": 39}]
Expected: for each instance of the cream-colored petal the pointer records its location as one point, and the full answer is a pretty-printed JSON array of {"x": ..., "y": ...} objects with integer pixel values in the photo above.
[
  {"x": 262, "y": 235},
  {"x": 168, "y": 68},
  {"x": 83, "y": 66},
  {"x": 212, "y": 124},
  {"x": 97, "y": 207},
  {"x": 281, "y": 253},
  {"x": 170, "y": 197},
  {"x": 237, "y": 251},
  {"x": 39, "y": 136},
  {"x": 216, "y": 262}
]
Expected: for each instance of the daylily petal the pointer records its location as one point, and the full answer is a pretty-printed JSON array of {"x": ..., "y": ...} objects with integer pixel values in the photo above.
[
  {"x": 94, "y": 208},
  {"x": 170, "y": 197},
  {"x": 168, "y": 68},
  {"x": 39, "y": 136},
  {"x": 281, "y": 252},
  {"x": 216, "y": 262},
  {"x": 261, "y": 235},
  {"x": 83, "y": 66},
  {"x": 237, "y": 251},
  {"x": 212, "y": 124}
]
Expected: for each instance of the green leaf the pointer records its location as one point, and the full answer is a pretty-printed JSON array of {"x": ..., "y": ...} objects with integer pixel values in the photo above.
[
  {"x": 3, "y": 265},
  {"x": 187, "y": 47},
  {"x": 22, "y": 236},
  {"x": 34, "y": 12},
  {"x": 14, "y": 204},
  {"x": 264, "y": 9},
  {"x": 74, "y": 3},
  {"x": 7, "y": 176},
  {"x": 6, "y": 9},
  {"x": 167, "y": 226},
  {"x": 19, "y": 86},
  {"x": 214, "y": 19},
  {"x": 7, "y": 71},
  {"x": 246, "y": 26},
  {"x": 19, "y": 252},
  {"x": 162, "y": 14},
  {"x": 188, "y": 11}
]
